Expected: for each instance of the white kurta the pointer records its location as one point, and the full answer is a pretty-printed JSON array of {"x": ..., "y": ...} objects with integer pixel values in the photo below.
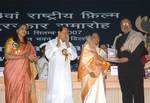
[
  {"x": 59, "y": 88},
  {"x": 43, "y": 68}
]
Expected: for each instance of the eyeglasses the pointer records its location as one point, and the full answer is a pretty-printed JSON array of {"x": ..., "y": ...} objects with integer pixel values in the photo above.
[{"x": 125, "y": 24}]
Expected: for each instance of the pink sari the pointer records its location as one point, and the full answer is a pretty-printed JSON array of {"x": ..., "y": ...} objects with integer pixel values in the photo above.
[{"x": 17, "y": 74}]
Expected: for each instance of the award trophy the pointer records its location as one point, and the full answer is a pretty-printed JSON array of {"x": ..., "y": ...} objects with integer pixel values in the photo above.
[{"x": 112, "y": 55}]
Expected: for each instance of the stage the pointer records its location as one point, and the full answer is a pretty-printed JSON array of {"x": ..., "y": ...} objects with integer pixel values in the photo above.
[{"x": 113, "y": 93}]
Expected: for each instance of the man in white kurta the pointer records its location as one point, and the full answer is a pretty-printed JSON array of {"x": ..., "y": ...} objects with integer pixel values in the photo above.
[
  {"x": 42, "y": 68},
  {"x": 42, "y": 64},
  {"x": 59, "y": 53}
]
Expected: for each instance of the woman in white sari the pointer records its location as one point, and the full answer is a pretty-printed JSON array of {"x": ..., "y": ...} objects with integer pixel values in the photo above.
[{"x": 90, "y": 71}]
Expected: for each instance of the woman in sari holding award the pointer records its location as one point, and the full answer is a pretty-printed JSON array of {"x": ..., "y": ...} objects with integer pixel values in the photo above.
[
  {"x": 18, "y": 74},
  {"x": 91, "y": 70}
]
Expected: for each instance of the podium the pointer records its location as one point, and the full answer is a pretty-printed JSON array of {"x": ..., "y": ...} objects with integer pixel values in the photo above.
[{"x": 113, "y": 93}]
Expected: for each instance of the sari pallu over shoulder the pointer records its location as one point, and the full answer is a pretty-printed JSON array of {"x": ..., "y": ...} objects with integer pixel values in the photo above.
[
  {"x": 17, "y": 73},
  {"x": 88, "y": 63}
]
